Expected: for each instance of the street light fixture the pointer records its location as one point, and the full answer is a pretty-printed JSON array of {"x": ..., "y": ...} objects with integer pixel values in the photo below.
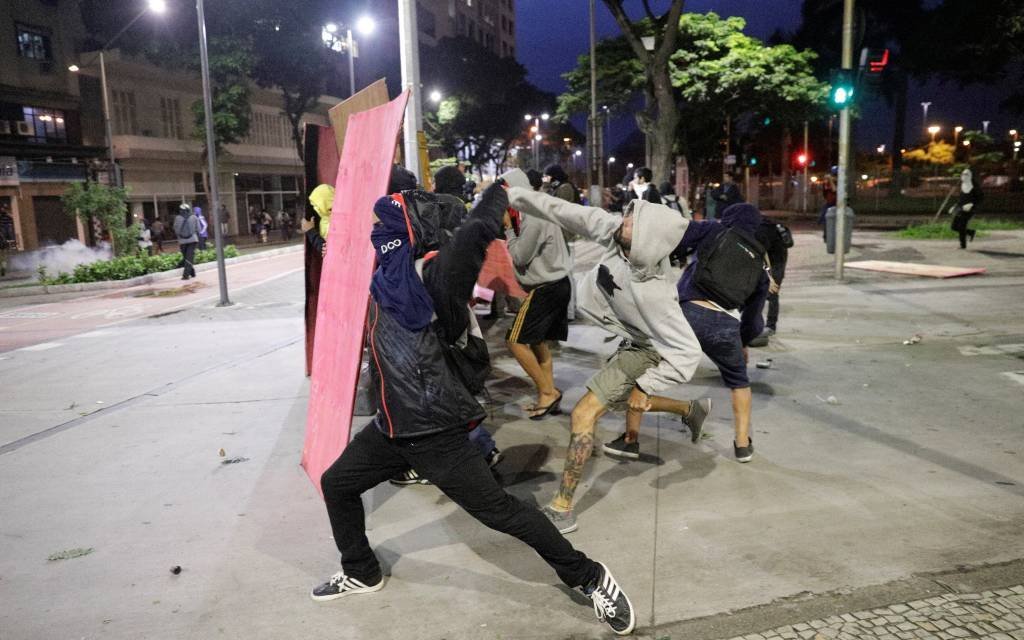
[
  {"x": 158, "y": 6},
  {"x": 365, "y": 25},
  {"x": 934, "y": 130},
  {"x": 435, "y": 96},
  {"x": 956, "y": 134},
  {"x": 536, "y": 138}
]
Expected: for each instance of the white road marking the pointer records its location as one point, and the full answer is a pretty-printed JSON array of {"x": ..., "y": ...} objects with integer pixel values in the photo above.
[
  {"x": 42, "y": 346},
  {"x": 28, "y": 315},
  {"x": 95, "y": 334},
  {"x": 1016, "y": 376},
  {"x": 993, "y": 350}
]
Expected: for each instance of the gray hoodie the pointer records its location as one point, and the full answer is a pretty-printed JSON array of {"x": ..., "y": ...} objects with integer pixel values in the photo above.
[
  {"x": 539, "y": 252},
  {"x": 633, "y": 297}
]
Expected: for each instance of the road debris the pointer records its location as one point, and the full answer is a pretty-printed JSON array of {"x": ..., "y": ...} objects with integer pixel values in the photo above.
[
  {"x": 67, "y": 554},
  {"x": 829, "y": 400},
  {"x": 765, "y": 364},
  {"x": 176, "y": 569},
  {"x": 222, "y": 453},
  {"x": 234, "y": 460},
  {"x": 914, "y": 339}
]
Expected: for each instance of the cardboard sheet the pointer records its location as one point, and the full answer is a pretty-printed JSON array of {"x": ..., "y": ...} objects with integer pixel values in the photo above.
[
  {"x": 363, "y": 175},
  {"x": 915, "y": 269}
]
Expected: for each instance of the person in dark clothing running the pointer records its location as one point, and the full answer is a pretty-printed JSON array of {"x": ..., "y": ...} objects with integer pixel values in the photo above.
[
  {"x": 424, "y": 410},
  {"x": 8, "y": 237},
  {"x": 966, "y": 206}
]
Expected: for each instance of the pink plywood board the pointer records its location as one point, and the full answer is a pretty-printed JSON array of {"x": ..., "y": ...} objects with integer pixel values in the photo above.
[
  {"x": 498, "y": 273},
  {"x": 915, "y": 269},
  {"x": 363, "y": 175}
]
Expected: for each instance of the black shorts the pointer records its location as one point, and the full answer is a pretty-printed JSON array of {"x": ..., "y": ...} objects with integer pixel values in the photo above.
[{"x": 543, "y": 315}]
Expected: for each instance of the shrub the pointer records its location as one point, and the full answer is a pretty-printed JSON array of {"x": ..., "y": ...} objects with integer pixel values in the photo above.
[{"x": 127, "y": 267}]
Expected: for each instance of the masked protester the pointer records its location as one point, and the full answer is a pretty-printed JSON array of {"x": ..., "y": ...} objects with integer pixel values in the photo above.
[{"x": 425, "y": 410}]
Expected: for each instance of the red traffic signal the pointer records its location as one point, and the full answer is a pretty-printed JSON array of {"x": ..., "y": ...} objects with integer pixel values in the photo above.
[
  {"x": 801, "y": 159},
  {"x": 878, "y": 64}
]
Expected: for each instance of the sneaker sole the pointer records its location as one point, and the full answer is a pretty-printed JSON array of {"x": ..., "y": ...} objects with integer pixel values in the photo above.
[
  {"x": 745, "y": 459},
  {"x": 617, "y": 453},
  {"x": 376, "y": 587},
  {"x": 568, "y": 529},
  {"x": 632, "y": 613},
  {"x": 406, "y": 483},
  {"x": 696, "y": 431}
]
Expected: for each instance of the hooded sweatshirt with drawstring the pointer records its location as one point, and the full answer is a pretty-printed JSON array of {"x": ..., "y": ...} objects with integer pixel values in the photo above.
[{"x": 635, "y": 296}]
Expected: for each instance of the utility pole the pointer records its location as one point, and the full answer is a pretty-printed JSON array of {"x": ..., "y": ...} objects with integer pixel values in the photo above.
[
  {"x": 409, "y": 51},
  {"x": 596, "y": 150},
  {"x": 211, "y": 158},
  {"x": 351, "y": 64},
  {"x": 807, "y": 163},
  {"x": 844, "y": 143}
]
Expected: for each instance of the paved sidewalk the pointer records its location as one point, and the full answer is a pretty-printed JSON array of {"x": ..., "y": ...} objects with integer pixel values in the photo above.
[{"x": 993, "y": 615}]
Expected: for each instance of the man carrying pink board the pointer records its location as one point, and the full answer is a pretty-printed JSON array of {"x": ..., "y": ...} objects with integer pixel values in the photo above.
[{"x": 418, "y": 312}]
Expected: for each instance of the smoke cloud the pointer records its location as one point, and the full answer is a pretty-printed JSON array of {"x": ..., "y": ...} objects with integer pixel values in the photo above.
[{"x": 58, "y": 258}]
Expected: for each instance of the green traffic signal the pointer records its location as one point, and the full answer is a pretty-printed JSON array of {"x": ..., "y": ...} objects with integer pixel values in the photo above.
[{"x": 841, "y": 95}]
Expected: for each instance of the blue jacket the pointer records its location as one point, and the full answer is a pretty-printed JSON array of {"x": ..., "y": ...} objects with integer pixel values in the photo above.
[{"x": 746, "y": 218}]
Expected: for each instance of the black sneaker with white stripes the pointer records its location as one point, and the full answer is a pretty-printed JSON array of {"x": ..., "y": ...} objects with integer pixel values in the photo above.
[
  {"x": 341, "y": 585},
  {"x": 407, "y": 477},
  {"x": 611, "y": 605}
]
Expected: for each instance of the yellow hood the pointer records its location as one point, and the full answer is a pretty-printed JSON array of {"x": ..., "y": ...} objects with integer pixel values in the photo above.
[{"x": 322, "y": 200}]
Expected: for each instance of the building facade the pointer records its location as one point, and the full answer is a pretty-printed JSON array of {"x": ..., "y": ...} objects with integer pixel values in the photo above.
[
  {"x": 161, "y": 159},
  {"x": 47, "y": 139},
  {"x": 491, "y": 23}
]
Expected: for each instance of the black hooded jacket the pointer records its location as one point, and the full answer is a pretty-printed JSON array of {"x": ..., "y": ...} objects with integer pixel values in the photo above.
[{"x": 419, "y": 392}]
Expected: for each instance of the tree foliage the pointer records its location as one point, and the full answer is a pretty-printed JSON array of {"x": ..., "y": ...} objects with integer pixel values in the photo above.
[
  {"x": 92, "y": 200},
  {"x": 716, "y": 72},
  {"x": 230, "y": 66}
]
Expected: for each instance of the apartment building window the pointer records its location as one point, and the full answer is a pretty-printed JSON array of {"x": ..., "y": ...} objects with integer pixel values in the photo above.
[
  {"x": 34, "y": 43},
  {"x": 47, "y": 125},
  {"x": 170, "y": 117},
  {"x": 125, "y": 119}
]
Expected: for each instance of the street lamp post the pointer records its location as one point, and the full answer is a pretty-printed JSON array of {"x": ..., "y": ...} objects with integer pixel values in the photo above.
[
  {"x": 409, "y": 57},
  {"x": 365, "y": 26},
  {"x": 957, "y": 130},
  {"x": 844, "y": 144},
  {"x": 535, "y": 136},
  {"x": 924, "y": 107},
  {"x": 154, "y": 6},
  {"x": 934, "y": 131},
  {"x": 211, "y": 157}
]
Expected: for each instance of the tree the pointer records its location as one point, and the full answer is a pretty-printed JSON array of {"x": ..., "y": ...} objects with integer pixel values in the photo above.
[
  {"x": 230, "y": 65},
  {"x": 716, "y": 72},
  {"x": 91, "y": 200},
  {"x": 658, "y": 119},
  {"x": 486, "y": 97}
]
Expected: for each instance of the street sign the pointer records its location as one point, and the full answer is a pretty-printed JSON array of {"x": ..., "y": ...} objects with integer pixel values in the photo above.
[{"x": 730, "y": 160}]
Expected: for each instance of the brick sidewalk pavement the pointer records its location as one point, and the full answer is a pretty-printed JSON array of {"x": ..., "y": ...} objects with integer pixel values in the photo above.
[{"x": 993, "y": 615}]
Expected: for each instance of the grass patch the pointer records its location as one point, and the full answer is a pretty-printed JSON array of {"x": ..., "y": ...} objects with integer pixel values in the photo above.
[{"x": 941, "y": 230}]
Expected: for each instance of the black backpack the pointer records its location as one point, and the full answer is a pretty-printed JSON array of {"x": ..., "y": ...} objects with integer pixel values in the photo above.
[
  {"x": 784, "y": 234},
  {"x": 729, "y": 268}
]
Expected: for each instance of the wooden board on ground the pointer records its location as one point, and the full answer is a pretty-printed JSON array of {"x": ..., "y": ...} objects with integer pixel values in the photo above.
[
  {"x": 363, "y": 175},
  {"x": 915, "y": 269},
  {"x": 372, "y": 96}
]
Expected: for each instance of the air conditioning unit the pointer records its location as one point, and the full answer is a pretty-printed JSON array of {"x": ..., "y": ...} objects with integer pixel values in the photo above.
[
  {"x": 5, "y": 127},
  {"x": 24, "y": 127}
]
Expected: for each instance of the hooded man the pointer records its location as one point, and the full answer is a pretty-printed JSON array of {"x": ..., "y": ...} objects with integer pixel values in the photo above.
[
  {"x": 630, "y": 293},
  {"x": 186, "y": 228},
  {"x": 724, "y": 331},
  {"x": 203, "y": 229},
  {"x": 418, "y": 311}
]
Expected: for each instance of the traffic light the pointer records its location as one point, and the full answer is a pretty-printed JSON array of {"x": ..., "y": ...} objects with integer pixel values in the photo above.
[
  {"x": 873, "y": 63},
  {"x": 801, "y": 159},
  {"x": 841, "y": 95},
  {"x": 753, "y": 161}
]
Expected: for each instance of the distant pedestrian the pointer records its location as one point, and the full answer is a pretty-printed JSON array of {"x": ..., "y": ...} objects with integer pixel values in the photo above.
[
  {"x": 266, "y": 224},
  {"x": 224, "y": 218},
  {"x": 203, "y": 228},
  {"x": 641, "y": 187},
  {"x": 966, "y": 206},
  {"x": 829, "y": 193},
  {"x": 672, "y": 201},
  {"x": 8, "y": 237},
  {"x": 145, "y": 238},
  {"x": 187, "y": 230},
  {"x": 727, "y": 194},
  {"x": 156, "y": 232},
  {"x": 776, "y": 238}
]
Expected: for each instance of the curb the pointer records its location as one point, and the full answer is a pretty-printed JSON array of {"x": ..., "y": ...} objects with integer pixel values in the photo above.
[{"x": 149, "y": 278}]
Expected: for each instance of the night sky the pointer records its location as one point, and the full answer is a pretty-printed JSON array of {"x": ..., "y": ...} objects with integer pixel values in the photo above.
[{"x": 551, "y": 33}]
